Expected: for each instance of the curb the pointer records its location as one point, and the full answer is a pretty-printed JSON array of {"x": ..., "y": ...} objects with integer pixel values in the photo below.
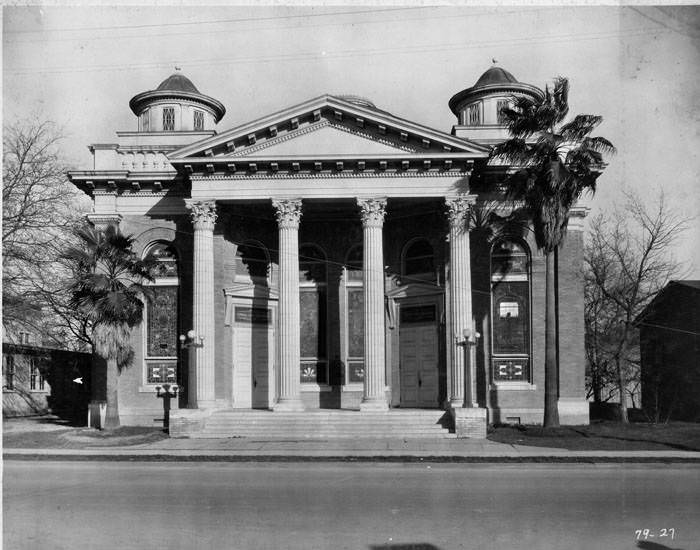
[{"x": 227, "y": 456}]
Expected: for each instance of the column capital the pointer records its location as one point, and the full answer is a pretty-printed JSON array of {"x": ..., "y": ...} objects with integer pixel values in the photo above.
[
  {"x": 372, "y": 211},
  {"x": 203, "y": 213},
  {"x": 458, "y": 209},
  {"x": 102, "y": 221},
  {"x": 287, "y": 212}
]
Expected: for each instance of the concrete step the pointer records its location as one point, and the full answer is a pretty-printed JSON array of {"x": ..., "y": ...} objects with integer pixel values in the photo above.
[{"x": 326, "y": 424}]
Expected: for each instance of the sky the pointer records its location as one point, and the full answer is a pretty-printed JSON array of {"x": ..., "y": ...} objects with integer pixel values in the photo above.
[{"x": 637, "y": 66}]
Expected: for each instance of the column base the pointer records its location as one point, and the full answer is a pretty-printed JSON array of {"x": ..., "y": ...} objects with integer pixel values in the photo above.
[
  {"x": 288, "y": 405},
  {"x": 470, "y": 423},
  {"x": 374, "y": 405}
]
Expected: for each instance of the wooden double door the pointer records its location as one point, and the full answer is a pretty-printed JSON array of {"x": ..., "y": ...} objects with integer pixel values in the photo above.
[{"x": 419, "y": 356}]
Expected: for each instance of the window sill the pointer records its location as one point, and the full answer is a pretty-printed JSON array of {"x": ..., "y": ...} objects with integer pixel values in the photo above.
[
  {"x": 353, "y": 386},
  {"x": 512, "y": 386}
]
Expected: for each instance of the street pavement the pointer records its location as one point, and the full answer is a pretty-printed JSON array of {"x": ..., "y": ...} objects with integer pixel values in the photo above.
[{"x": 202, "y": 505}]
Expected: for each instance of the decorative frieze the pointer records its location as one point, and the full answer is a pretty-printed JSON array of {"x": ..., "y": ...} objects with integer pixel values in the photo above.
[
  {"x": 372, "y": 211},
  {"x": 287, "y": 212},
  {"x": 203, "y": 213}
]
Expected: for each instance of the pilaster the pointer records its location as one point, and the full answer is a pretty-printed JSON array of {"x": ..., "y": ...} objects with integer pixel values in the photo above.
[
  {"x": 201, "y": 390},
  {"x": 288, "y": 214},
  {"x": 372, "y": 211}
]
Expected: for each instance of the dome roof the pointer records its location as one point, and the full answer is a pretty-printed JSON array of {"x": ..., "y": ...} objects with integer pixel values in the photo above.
[
  {"x": 494, "y": 80},
  {"x": 177, "y": 82},
  {"x": 495, "y": 75},
  {"x": 176, "y": 86}
]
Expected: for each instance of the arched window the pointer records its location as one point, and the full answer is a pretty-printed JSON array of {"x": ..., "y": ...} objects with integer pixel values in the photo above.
[
  {"x": 252, "y": 263},
  {"x": 419, "y": 260},
  {"x": 510, "y": 318},
  {"x": 162, "y": 313},
  {"x": 354, "y": 315},
  {"x": 312, "y": 314}
]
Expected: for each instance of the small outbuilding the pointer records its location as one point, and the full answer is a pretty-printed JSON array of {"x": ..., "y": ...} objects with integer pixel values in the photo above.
[{"x": 669, "y": 333}]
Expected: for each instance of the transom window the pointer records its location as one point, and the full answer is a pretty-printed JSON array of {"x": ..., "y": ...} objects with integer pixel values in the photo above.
[
  {"x": 162, "y": 312},
  {"x": 166, "y": 260},
  {"x": 510, "y": 312},
  {"x": 419, "y": 260},
  {"x": 168, "y": 119},
  {"x": 198, "y": 120}
]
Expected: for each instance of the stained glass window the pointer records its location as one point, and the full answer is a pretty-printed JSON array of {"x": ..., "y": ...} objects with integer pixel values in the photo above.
[
  {"x": 162, "y": 312},
  {"x": 166, "y": 260},
  {"x": 510, "y": 313}
]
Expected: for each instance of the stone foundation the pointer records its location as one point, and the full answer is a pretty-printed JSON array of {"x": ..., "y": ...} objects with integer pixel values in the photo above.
[{"x": 469, "y": 423}]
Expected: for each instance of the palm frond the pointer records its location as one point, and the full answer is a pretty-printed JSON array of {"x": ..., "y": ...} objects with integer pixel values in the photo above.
[
  {"x": 580, "y": 127},
  {"x": 560, "y": 98}
]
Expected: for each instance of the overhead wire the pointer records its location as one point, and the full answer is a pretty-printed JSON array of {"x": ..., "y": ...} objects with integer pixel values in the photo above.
[{"x": 338, "y": 54}]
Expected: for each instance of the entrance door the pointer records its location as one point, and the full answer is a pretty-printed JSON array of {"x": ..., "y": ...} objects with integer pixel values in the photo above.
[
  {"x": 252, "y": 358},
  {"x": 419, "y": 356}
]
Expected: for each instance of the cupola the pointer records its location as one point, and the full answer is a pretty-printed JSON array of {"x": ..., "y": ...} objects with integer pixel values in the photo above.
[
  {"x": 478, "y": 109},
  {"x": 176, "y": 105}
]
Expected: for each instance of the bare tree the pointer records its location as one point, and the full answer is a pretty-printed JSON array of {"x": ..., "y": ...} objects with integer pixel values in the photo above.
[
  {"x": 627, "y": 260},
  {"x": 40, "y": 209}
]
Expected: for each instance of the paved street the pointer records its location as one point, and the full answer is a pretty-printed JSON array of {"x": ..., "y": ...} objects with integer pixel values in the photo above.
[{"x": 201, "y": 505}]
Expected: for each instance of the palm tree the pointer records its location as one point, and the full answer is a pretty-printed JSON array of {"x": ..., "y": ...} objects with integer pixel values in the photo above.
[
  {"x": 555, "y": 162},
  {"x": 107, "y": 289}
]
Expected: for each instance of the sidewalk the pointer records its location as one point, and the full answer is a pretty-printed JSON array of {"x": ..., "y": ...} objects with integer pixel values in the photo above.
[
  {"x": 394, "y": 450},
  {"x": 73, "y": 443}
]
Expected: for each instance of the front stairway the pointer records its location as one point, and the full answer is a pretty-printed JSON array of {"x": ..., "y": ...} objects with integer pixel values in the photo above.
[{"x": 326, "y": 424}]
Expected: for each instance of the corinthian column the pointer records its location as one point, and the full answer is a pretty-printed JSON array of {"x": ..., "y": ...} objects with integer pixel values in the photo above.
[
  {"x": 460, "y": 299},
  {"x": 372, "y": 212},
  {"x": 288, "y": 214},
  {"x": 201, "y": 388}
]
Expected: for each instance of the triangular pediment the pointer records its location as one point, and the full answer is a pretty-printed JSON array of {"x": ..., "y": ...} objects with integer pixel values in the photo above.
[
  {"x": 328, "y": 126},
  {"x": 326, "y": 138}
]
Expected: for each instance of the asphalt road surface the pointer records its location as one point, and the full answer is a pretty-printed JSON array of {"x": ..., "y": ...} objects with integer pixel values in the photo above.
[{"x": 203, "y": 505}]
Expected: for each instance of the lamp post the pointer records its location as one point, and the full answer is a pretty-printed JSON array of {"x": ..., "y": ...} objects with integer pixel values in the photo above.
[{"x": 166, "y": 392}]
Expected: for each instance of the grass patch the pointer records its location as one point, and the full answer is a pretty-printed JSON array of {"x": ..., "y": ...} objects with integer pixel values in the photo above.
[
  {"x": 82, "y": 438},
  {"x": 603, "y": 436}
]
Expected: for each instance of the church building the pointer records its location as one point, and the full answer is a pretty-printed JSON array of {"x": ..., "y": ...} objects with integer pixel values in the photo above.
[{"x": 333, "y": 259}]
